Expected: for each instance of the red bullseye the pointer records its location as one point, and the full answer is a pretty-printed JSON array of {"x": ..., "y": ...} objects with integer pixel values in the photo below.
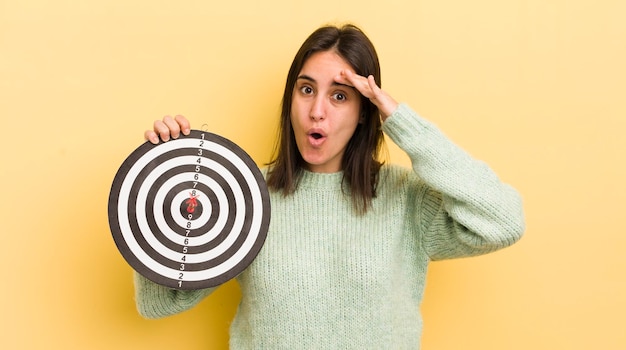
[{"x": 192, "y": 203}]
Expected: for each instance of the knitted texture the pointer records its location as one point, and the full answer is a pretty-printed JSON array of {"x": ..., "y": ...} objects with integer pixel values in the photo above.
[{"x": 327, "y": 278}]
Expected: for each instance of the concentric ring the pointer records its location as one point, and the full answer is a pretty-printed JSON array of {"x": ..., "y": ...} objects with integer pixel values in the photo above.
[{"x": 189, "y": 213}]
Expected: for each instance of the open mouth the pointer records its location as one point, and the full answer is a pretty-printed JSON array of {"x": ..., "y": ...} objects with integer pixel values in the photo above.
[{"x": 316, "y": 137}]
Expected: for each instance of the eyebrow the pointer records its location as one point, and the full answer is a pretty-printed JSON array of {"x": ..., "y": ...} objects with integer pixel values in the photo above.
[
  {"x": 309, "y": 78},
  {"x": 305, "y": 77}
]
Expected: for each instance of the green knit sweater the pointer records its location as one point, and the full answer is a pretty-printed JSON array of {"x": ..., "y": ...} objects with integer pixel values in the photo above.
[{"x": 327, "y": 278}]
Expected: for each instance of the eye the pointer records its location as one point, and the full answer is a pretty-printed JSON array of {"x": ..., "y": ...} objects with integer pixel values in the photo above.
[
  {"x": 340, "y": 96},
  {"x": 307, "y": 90}
]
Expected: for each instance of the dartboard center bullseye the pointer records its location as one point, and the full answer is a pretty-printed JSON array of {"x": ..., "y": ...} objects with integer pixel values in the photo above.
[
  {"x": 191, "y": 208},
  {"x": 173, "y": 205}
]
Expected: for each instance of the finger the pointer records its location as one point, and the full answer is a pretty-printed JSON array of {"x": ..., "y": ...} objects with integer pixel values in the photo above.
[
  {"x": 360, "y": 83},
  {"x": 350, "y": 78},
  {"x": 161, "y": 129},
  {"x": 151, "y": 136},
  {"x": 185, "y": 126},
  {"x": 371, "y": 82},
  {"x": 342, "y": 78},
  {"x": 172, "y": 125},
  {"x": 385, "y": 103}
]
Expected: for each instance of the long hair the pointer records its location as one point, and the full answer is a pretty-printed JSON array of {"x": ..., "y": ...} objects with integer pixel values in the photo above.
[{"x": 360, "y": 163}]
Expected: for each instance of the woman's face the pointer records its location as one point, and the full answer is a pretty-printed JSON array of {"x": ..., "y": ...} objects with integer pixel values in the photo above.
[{"x": 324, "y": 113}]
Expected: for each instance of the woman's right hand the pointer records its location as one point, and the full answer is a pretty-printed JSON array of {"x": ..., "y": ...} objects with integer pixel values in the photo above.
[{"x": 168, "y": 128}]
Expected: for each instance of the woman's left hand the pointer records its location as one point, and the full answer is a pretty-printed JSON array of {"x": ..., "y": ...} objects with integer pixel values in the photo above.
[{"x": 368, "y": 88}]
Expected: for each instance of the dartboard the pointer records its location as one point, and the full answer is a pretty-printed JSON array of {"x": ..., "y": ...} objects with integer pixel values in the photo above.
[{"x": 189, "y": 213}]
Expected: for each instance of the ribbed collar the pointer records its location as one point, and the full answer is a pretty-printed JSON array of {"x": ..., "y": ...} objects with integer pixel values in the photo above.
[{"x": 323, "y": 181}]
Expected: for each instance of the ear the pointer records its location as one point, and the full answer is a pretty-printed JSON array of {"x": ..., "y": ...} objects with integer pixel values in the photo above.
[{"x": 362, "y": 116}]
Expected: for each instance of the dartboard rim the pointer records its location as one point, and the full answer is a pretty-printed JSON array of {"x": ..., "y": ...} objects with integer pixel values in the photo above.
[{"x": 140, "y": 266}]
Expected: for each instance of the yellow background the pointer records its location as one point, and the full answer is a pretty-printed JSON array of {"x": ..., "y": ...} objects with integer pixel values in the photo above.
[{"x": 536, "y": 88}]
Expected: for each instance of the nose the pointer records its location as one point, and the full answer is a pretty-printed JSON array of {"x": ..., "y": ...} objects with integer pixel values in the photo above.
[{"x": 318, "y": 109}]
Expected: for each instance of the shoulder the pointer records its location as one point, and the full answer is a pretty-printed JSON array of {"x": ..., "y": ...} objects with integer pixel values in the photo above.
[
  {"x": 395, "y": 172},
  {"x": 264, "y": 172},
  {"x": 394, "y": 177}
]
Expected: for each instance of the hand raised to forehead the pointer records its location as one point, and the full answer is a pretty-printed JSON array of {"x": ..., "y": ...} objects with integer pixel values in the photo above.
[{"x": 368, "y": 88}]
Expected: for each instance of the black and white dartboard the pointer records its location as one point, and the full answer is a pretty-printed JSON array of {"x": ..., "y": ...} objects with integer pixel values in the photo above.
[{"x": 189, "y": 213}]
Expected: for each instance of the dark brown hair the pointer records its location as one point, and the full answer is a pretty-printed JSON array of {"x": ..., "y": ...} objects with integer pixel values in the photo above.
[{"x": 360, "y": 161}]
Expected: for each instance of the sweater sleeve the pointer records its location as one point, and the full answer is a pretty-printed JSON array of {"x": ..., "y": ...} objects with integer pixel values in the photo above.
[
  {"x": 465, "y": 210},
  {"x": 156, "y": 301}
]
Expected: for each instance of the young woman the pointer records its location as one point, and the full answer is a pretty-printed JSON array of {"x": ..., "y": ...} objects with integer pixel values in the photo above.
[{"x": 345, "y": 259}]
